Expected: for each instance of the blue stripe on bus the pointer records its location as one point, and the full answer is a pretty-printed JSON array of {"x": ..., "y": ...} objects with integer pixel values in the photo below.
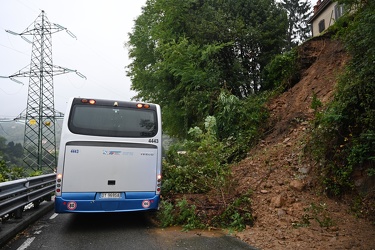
[{"x": 86, "y": 202}]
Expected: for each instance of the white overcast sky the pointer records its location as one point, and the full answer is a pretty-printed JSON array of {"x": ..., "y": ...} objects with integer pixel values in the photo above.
[{"x": 101, "y": 28}]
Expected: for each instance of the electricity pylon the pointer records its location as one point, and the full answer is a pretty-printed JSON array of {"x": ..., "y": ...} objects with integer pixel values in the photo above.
[{"x": 39, "y": 146}]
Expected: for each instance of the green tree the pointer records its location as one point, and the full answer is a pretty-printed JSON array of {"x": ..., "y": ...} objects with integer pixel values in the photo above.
[
  {"x": 185, "y": 52},
  {"x": 15, "y": 149},
  {"x": 299, "y": 12},
  {"x": 14, "y": 153}
]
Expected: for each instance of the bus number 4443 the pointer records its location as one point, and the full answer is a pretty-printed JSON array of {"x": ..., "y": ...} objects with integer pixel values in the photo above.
[{"x": 153, "y": 141}]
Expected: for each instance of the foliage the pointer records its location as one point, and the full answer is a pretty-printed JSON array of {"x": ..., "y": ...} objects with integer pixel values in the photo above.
[
  {"x": 240, "y": 122},
  {"x": 10, "y": 151},
  {"x": 282, "y": 72},
  {"x": 197, "y": 165},
  {"x": 316, "y": 103},
  {"x": 236, "y": 215},
  {"x": 11, "y": 165},
  {"x": 10, "y": 160},
  {"x": 185, "y": 53},
  {"x": 299, "y": 13},
  {"x": 200, "y": 163},
  {"x": 165, "y": 214},
  {"x": 180, "y": 213},
  {"x": 344, "y": 135},
  {"x": 10, "y": 173}
]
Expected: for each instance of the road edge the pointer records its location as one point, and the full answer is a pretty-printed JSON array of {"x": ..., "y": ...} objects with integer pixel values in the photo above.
[{"x": 10, "y": 228}]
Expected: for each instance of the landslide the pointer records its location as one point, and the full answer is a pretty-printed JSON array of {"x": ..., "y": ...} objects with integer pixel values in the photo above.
[{"x": 288, "y": 203}]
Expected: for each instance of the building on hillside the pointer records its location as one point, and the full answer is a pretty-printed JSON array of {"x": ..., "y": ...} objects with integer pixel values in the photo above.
[{"x": 326, "y": 12}]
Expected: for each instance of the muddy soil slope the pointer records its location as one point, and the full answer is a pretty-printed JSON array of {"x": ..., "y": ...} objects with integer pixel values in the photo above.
[{"x": 291, "y": 212}]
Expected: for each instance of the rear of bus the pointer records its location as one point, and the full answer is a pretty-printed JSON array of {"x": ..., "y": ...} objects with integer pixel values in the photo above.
[{"x": 110, "y": 157}]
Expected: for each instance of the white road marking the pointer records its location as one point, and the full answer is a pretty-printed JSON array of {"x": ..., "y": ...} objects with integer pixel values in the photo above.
[
  {"x": 26, "y": 244},
  {"x": 53, "y": 216}
]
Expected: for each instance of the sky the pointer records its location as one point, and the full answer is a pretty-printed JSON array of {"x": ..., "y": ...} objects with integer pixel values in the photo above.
[{"x": 101, "y": 28}]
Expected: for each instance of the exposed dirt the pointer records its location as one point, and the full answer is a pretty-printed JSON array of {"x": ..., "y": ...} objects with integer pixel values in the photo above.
[{"x": 291, "y": 212}]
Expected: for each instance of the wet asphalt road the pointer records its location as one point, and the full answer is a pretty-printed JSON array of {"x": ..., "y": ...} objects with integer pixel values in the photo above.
[{"x": 115, "y": 231}]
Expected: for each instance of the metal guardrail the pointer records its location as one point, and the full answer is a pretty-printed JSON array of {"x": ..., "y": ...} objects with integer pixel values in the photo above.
[{"x": 15, "y": 195}]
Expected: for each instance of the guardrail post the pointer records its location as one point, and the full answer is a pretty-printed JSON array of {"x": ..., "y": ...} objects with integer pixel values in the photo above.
[{"x": 18, "y": 213}]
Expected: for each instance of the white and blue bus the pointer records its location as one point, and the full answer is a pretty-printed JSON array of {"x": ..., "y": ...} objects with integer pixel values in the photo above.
[{"x": 110, "y": 157}]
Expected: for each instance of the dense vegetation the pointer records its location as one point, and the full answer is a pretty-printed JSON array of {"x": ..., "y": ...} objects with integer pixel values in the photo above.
[
  {"x": 12, "y": 166},
  {"x": 187, "y": 54},
  {"x": 10, "y": 161},
  {"x": 344, "y": 135}
]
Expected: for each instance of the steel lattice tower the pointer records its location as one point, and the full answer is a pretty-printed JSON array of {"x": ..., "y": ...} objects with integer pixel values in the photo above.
[
  {"x": 40, "y": 153},
  {"x": 40, "y": 136}
]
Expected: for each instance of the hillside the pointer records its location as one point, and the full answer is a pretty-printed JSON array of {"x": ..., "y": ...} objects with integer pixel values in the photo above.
[
  {"x": 14, "y": 131},
  {"x": 291, "y": 211}
]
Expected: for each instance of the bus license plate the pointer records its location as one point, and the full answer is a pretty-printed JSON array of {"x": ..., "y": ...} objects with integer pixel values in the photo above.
[{"x": 110, "y": 195}]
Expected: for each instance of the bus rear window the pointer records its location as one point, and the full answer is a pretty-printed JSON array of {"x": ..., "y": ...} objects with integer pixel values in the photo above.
[{"x": 112, "y": 121}]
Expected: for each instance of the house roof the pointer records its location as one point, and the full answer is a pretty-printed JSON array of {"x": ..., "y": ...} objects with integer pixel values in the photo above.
[{"x": 318, "y": 8}]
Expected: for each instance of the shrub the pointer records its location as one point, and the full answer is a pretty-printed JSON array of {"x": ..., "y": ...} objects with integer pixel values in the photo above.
[
  {"x": 236, "y": 215},
  {"x": 10, "y": 173},
  {"x": 180, "y": 213},
  {"x": 196, "y": 165},
  {"x": 282, "y": 72}
]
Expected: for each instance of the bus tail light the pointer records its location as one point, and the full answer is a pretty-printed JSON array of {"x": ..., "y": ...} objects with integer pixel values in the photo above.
[
  {"x": 58, "y": 184},
  {"x": 158, "y": 184}
]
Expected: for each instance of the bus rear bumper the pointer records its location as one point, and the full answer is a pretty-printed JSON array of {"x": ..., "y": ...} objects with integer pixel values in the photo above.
[{"x": 94, "y": 203}]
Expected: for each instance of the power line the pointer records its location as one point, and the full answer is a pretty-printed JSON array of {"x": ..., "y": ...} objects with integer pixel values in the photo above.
[{"x": 21, "y": 52}]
